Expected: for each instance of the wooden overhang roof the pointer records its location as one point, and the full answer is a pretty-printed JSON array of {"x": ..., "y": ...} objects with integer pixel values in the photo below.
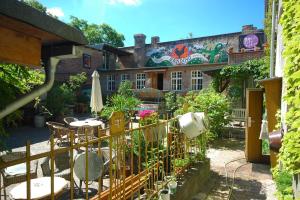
[{"x": 25, "y": 32}]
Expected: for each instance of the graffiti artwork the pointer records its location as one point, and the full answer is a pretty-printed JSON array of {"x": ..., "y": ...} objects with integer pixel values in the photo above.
[{"x": 184, "y": 54}]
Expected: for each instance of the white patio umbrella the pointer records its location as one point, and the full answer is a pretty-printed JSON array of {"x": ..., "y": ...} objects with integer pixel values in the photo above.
[{"x": 96, "y": 95}]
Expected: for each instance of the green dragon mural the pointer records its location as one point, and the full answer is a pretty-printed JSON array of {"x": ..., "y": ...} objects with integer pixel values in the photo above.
[{"x": 184, "y": 54}]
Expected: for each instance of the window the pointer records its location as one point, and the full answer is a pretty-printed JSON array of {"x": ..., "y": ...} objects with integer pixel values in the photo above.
[
  {"x": 140, "y": 81},
  {"x": 124, "y": 77},
  {"x": 105, "y": 56},
  {"x": 111, "y": 85},
  {"x": 197, "y": 80},
  {"x": 176, "y": 80}
]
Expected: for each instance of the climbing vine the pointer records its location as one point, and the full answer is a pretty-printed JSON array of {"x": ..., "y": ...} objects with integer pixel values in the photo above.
[{"x": 290, "y": 20}]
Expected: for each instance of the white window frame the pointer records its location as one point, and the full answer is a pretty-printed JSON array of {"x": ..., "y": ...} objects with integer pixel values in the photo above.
[
  {"x": 105, "y": 56},
  {"x": 196, "y": 80},
  {"x": 176, "y": 81},
  {"x": 140, "y": 80},
  {"x": 111, "y": 82},
  {"x": 125, "y": 77}
]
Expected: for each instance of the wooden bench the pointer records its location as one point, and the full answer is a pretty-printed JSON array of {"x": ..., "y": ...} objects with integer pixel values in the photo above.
[{"x": 124, "y": 190}]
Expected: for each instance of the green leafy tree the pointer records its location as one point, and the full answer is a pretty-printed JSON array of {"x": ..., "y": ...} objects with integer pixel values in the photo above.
[
  {"x": 15, "y": 80},
  {"x": 96, "y": 34},
  {"x": 36, "y": 4},
  {"x": 40, "y": 7}
]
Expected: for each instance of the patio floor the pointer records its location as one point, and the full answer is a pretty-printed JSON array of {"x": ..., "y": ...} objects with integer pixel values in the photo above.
[{"x": 252, "y": 181}]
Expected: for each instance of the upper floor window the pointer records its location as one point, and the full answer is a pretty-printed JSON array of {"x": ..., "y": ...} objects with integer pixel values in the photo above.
[
  {"x": 105, "y": 59},
  {"x": 140, "y": 80},
  {"x": 111, "y": 84},
  {"x": 176, "y": 80},
  {"x": 196, "y": 79},
  {"x": 124, "y": 77}
]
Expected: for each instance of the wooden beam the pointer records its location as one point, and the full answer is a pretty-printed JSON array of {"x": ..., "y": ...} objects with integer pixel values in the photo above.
[{"x": 19, "y": 48}]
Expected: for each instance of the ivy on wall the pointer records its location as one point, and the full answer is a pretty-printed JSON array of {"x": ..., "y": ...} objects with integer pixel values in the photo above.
[{"x": 290, "y": 20}]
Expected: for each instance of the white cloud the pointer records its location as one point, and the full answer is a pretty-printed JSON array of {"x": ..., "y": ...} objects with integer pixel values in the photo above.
[
  {"x": 125, "y": 2},
  {"x": 57, "y": 11}
]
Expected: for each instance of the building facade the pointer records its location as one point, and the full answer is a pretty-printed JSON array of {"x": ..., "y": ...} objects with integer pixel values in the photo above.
[{"x": 180, "y": 66}]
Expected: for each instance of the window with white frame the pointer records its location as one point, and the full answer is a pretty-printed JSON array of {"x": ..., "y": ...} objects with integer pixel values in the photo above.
[
  {"x": 176, "y": 80},
  {"x": 124, "y": 77},
  {"x": 111, "y": 85},
  {"x": 105, "y": 57},
  {"x": 196, "y": 79},
  {"x": 140, "y": 80}
]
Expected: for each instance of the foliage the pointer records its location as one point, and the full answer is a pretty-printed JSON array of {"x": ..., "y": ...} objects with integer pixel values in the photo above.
[
  {"x": 64, "y": 94},
  {"x": 15, "y": 80},
  {"x": 40, "y": 7},
  {"x": 170, "y": 99},
  {"x": 215, "y": 106},
  {"x": 97, "y": 34},
  {"x": 148, "y": 117},
  {"x": 237, "y": 73},
  {"x": 123, "y": 101},
  {"x": 283, "y": 180},
  {"x": 37, "y": 5},
  {"x": 290, "y": 20}
]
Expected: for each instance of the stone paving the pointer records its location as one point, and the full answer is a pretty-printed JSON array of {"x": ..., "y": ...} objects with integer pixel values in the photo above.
[{"x": 252, "y": 181}]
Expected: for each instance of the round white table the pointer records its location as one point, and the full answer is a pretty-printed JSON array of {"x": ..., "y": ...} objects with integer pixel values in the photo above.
[
  {"x": 40, "y": 188},
  {"x": 87, "y": 122}
]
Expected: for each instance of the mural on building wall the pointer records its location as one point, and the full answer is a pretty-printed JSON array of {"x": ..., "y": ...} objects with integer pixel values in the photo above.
[{"x": 188, "y": 53}]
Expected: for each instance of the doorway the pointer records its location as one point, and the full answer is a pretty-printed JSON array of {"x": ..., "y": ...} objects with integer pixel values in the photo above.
[{"x": 160, "y": 81}]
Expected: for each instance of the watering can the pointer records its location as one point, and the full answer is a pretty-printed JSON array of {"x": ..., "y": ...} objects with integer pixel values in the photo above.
[{"x": 192, "y": 124}]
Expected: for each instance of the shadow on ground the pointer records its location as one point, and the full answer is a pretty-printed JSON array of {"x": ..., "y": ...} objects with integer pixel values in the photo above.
[
  {"x": 228, "y": 144},
  {"x": 18, "y": 136}
]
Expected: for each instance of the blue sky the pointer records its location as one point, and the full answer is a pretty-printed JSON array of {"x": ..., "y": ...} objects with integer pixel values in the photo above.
[{"x": 169, "y": 19}]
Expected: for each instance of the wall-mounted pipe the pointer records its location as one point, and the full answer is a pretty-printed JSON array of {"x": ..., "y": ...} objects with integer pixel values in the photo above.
[
  {"x": 272, "y": 49},
  {"x": 23, "y": 100}
]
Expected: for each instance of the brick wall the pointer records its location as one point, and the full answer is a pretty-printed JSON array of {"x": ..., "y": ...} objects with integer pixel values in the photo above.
[{"x": 239, "y": 57}]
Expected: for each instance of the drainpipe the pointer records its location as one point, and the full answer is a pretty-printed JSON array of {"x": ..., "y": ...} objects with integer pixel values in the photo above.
[
  {"x": 272, "y": 50},
  {"x": 49, "y": 80}
]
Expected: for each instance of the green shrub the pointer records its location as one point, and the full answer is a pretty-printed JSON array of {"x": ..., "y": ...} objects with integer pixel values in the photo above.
[
  {"x": 64, "y": 94},
  {"x": 123, "y": 101},
  {"x": 283, "y": 180},
  {"x": 215, "y": 106}
]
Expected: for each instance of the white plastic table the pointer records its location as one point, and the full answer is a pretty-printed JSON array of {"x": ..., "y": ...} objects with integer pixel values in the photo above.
[
  {"x": 87, "y": 122},
  {"x": 40, "y": 188}
]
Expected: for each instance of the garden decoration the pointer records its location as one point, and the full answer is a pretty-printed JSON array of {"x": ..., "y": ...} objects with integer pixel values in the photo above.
[{"x": 192, "y": 124}]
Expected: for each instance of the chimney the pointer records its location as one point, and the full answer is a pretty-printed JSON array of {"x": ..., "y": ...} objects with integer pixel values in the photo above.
[
  {"x": 246, "y": 29},
  {"x": 154, "y": 41},
  {"x": 139, "y": 49}
]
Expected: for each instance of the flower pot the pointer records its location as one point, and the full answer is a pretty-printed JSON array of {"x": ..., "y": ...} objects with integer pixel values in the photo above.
[
  {"x": 39, "y": 121},
  {"x": 164, "y": 194},
  {"x": 172, "y": 187}
]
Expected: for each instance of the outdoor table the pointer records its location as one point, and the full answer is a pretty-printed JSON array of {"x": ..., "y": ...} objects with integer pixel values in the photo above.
[
  {"x": 87, "y": 122},
  {"x": 40, "y": 188}
]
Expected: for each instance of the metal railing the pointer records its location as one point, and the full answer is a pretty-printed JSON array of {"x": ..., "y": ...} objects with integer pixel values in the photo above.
[{"x": 140, "y": 160}]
